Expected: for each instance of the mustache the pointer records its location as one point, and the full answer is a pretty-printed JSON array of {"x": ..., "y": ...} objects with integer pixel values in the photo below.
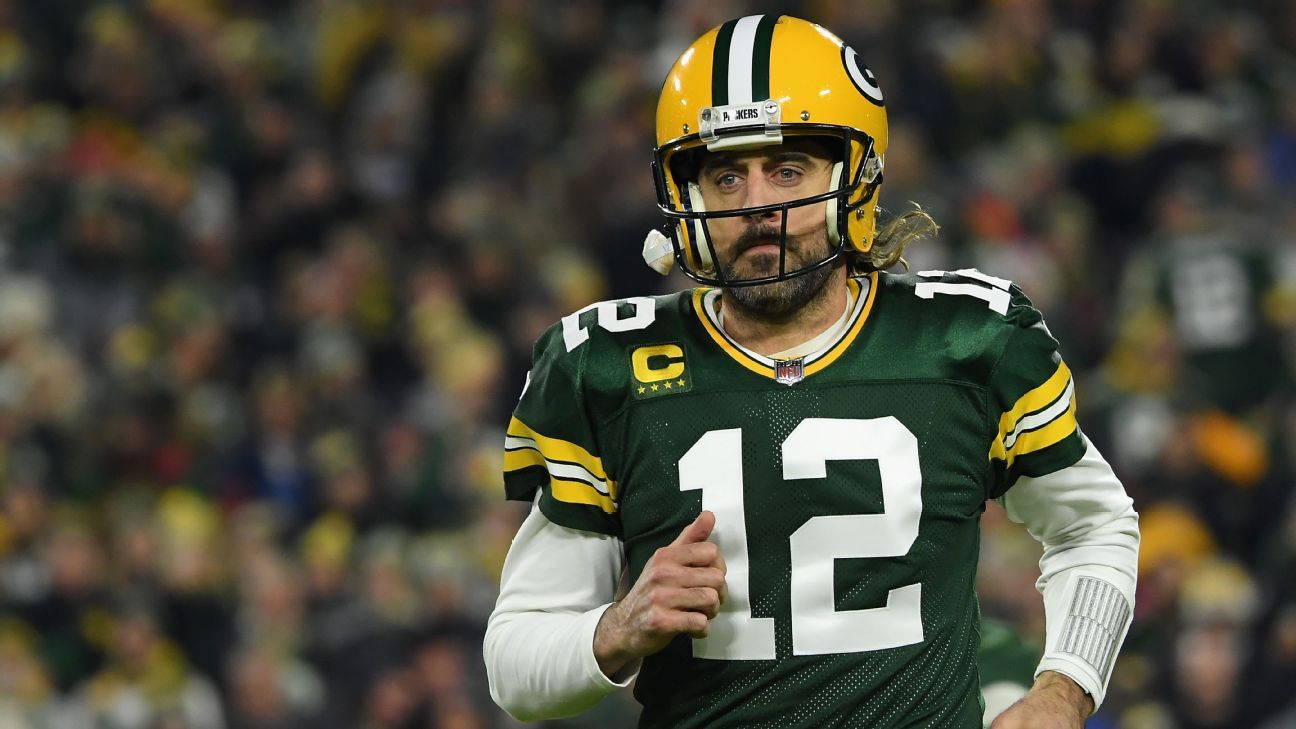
[{"x": 755, "y": 236}]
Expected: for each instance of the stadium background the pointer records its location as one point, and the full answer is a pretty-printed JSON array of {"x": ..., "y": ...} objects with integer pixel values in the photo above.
[{"x": 270, "y": 273}]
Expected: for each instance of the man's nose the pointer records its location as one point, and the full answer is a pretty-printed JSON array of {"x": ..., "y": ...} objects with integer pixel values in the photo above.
[{"x": 760, "y": 192}]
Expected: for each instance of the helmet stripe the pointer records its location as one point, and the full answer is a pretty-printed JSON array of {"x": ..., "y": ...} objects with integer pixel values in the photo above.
[
  {"x": 720, "y": 65},
  {"x": 741, "y": 49},
  {"x": 740, "y": 72},
  {"x": 761, "y": 57}
]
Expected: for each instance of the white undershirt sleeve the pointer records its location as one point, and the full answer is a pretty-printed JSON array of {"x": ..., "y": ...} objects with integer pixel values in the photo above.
[
  {"x": 539, "y": 645},
  {"x": 1089, "y": 529}
]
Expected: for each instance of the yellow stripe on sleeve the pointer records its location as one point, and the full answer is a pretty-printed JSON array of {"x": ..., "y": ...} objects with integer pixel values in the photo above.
[
  {"x": 1037, "y": 399},
  {"x": 516, "y": 460},
  {"x": 573, "y": 492},
  {"x": 556, "y": 449},
  {"x": 997, "y": 448},
  {"x": 1037, "y": 440}
]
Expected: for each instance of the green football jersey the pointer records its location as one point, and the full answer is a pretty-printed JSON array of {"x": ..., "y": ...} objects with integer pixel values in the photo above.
[
  {"x": 1216, "y": 295},
  {"x": 847, "y": 487}
]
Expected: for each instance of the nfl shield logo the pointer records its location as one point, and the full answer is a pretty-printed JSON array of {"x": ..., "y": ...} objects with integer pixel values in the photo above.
[{"x": 789, "y": 371}]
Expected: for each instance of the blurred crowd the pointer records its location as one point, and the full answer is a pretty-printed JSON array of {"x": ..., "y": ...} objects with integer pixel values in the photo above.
[{"x": 270, "y": 273}]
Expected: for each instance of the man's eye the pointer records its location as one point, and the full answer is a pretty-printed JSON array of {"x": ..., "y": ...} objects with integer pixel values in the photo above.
[
  {"x": 727, "y": 180},
  {"x": 787, "y": 174}
]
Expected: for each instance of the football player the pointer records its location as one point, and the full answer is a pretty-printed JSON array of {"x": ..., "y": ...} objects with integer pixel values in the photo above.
[{"x": 759, "y": 499}]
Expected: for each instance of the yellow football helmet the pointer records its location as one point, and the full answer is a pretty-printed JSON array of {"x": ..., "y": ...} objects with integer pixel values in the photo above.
[{"x": 754, "y": 82}]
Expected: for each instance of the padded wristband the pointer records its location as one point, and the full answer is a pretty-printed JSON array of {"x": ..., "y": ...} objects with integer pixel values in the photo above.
[{"x": 1095, "y": 624}]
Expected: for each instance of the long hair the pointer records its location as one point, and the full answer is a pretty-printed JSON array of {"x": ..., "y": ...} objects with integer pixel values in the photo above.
[{"x": 892, "y": 238}]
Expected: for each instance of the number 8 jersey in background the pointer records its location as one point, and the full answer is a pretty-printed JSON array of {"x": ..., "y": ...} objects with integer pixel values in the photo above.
[{"x": 847, "y": 486}]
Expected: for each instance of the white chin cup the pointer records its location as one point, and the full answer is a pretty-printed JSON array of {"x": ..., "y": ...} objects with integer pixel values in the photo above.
[
  {"x": 658, "y": 252},
  {"x": 834, "y": 235},
  {"x": 697, "y": 233}
]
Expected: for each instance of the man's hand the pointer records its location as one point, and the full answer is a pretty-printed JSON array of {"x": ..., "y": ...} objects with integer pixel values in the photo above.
[
  {"x": 1054, "y": 702},
  {"x": 678, "y": 592}
]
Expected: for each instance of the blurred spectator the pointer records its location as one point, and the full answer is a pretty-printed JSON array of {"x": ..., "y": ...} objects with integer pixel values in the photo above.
[
  {"x": 146, "y": 682},
  {"x": 269, "y": 691},
  {"x": 270, "y": 274}
]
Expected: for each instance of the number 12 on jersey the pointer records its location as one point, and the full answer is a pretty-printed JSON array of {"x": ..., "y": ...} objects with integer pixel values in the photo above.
[{"x": 714, "y": 466}]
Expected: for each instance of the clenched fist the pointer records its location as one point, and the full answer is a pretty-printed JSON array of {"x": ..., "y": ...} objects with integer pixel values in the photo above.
[{"x": 678, "y": 592}]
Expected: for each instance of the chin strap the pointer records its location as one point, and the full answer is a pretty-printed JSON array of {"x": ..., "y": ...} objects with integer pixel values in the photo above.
[
  {"x": 698, "y": 232},
  {"x": 834, "y": 235}
]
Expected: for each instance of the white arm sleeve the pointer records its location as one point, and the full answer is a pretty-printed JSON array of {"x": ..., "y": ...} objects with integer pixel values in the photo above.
[
  {"x": 539, "y": 645},
  {"x": 1089, "y": 530}
]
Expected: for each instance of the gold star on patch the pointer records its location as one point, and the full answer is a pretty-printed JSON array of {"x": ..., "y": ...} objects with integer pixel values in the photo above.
[
  {"x": 654, "y": 388},
  {"x": 681, "y": 382},
  {"x": 668, "y": 384},
  {"x": 642, "y": 389}
]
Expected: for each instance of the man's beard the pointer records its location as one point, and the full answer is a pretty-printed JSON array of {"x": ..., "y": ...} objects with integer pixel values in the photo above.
[{"x": 781, "y": 299}]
